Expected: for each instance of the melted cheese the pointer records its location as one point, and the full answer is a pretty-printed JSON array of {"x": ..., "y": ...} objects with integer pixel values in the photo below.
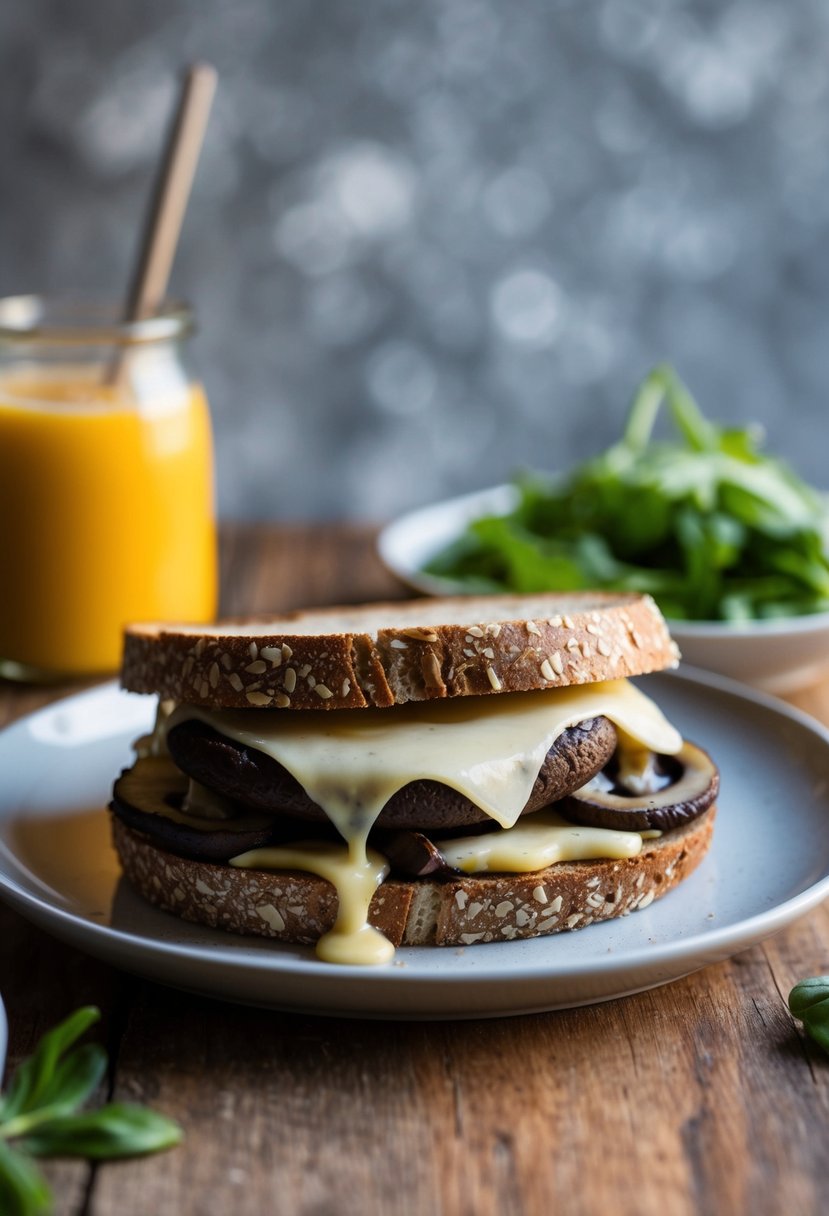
[
  {"x": 355, "y": 873},
  {"x": 538, "y": 841},
  {"x": 636, "y": 767},
  {"x": 155, "y": 743},
  {"x": 489, "y": 749},
  {"x": 204, "y": 803}
]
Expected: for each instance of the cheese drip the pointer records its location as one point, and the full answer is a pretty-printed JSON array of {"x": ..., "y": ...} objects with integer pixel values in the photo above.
[
  {"x": 490, "y": 749},
  {"x": 355, "y": 872}
]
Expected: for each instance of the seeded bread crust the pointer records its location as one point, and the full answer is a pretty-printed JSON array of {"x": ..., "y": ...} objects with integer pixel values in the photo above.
[
  {"x": 295, "y": 907},
  {"x": 387, "y": 654}
]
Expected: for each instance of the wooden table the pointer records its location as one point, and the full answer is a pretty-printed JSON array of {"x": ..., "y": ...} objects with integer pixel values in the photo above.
[{"x": 702, "y": 1096}]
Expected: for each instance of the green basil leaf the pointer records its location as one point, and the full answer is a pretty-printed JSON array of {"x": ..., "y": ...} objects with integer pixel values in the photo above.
[
  {"x": 809, "y": 1001},
  {"x": 117, "y": 1130},
  {"x": 816, "y": 1022},
  {"x": 23, "y": 1192},
  {"x": 35, "y": 1076},
  {"x": 76, "y": 1077},
  {"x": 807, "y": 993}
]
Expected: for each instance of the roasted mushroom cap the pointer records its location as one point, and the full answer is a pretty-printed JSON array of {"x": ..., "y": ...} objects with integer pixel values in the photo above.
[
  {"x": 257, "y": 781},
  {"x": 149, "y": 797},
  {"x": 693, "y": 792}
]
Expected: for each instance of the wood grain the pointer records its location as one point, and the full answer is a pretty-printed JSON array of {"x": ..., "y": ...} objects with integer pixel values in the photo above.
[{"x": 703, "y": 1096}]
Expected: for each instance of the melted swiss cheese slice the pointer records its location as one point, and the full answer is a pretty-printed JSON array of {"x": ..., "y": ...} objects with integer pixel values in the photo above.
[
  {"x": 488, "y": 748},
  {"x": 537, "y": 841}
]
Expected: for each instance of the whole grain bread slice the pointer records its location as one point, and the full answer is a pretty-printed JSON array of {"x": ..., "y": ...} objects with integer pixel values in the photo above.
[
  {"x": 387, "y": 654},
  {"x": 292, "y": 906}
]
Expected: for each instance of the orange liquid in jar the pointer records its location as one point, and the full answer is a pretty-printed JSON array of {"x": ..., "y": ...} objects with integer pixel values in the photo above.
[{"x": 106, "y": 517}]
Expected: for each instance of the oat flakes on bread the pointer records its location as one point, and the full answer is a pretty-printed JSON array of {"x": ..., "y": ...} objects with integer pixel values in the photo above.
[{"x": 388, "y": 654}]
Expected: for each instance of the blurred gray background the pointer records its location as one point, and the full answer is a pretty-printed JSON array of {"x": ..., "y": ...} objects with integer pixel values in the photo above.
[{"x": 433, "y": 243}]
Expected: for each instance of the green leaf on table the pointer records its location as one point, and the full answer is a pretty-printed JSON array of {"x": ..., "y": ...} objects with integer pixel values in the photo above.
[
  {"x": 117, "y": 1130},
  {"x": 23, "y": 1192},
  {"x": 75, "y": 1079},
  {"x": 809, "y": 1002},
  {"x": 34, "y": 1080},
  {"x": 39, "y": 1116}
]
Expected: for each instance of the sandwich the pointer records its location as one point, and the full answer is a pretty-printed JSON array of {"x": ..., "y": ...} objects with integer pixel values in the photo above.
[{"x": 431, "y": 773}]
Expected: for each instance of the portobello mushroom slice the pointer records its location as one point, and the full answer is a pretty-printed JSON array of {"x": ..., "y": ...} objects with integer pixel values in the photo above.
[
  {"x": 257, "y": 781},
  {"x": 150, "y": 797},
  {"x": 692, "y": 791}
]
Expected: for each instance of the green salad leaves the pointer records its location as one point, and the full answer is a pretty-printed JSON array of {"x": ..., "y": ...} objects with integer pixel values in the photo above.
[
  {"x": 40, "y": 1117},
  {"x": 706, "y": 523}
]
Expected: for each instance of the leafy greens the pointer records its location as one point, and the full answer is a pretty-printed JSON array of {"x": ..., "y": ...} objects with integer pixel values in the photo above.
[
  {"x": 809, "y": 1001},
  {"x": 707, "y": 524},
  {"x": 39, "y": 1117}
]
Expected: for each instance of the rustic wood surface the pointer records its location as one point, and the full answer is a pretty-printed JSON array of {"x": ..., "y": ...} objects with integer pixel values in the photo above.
[{"x": 700, "y": 1097}]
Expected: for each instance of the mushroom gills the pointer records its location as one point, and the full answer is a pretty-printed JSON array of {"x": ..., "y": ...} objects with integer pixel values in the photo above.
[{"x": 676, "y": 790}]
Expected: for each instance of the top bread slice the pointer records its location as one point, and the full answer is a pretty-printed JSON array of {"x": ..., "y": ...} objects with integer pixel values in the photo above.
[{"x": 388, "y": 654}]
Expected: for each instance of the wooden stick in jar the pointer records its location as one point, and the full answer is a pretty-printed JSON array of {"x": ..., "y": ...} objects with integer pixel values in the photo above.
[{"x": 168, "y": 204}]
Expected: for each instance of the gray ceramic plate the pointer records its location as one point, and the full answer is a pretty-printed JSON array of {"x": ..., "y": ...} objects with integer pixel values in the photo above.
[{"x": 769, "y": 864}]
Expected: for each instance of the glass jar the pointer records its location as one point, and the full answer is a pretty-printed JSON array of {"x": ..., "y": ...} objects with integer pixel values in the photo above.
[{"x": 106, "y": 484}]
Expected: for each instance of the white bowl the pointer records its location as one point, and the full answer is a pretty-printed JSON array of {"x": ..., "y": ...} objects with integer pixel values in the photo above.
[{"x": 779, "y": 656}]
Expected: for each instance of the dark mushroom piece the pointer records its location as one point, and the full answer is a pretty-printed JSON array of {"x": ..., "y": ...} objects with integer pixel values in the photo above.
[
  {"x": 414, "y": 855},
  {"x": 692, "y": 793},
  {"x": 258, "y": 782},
  {"x": 149, "y": 798}
]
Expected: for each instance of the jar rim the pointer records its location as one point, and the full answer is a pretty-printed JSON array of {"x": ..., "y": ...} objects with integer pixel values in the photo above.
[{"x": 77, "y": 321}]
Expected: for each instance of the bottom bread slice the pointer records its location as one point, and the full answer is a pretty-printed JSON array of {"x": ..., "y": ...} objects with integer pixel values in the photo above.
[{"x": 293, "y": 906}]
